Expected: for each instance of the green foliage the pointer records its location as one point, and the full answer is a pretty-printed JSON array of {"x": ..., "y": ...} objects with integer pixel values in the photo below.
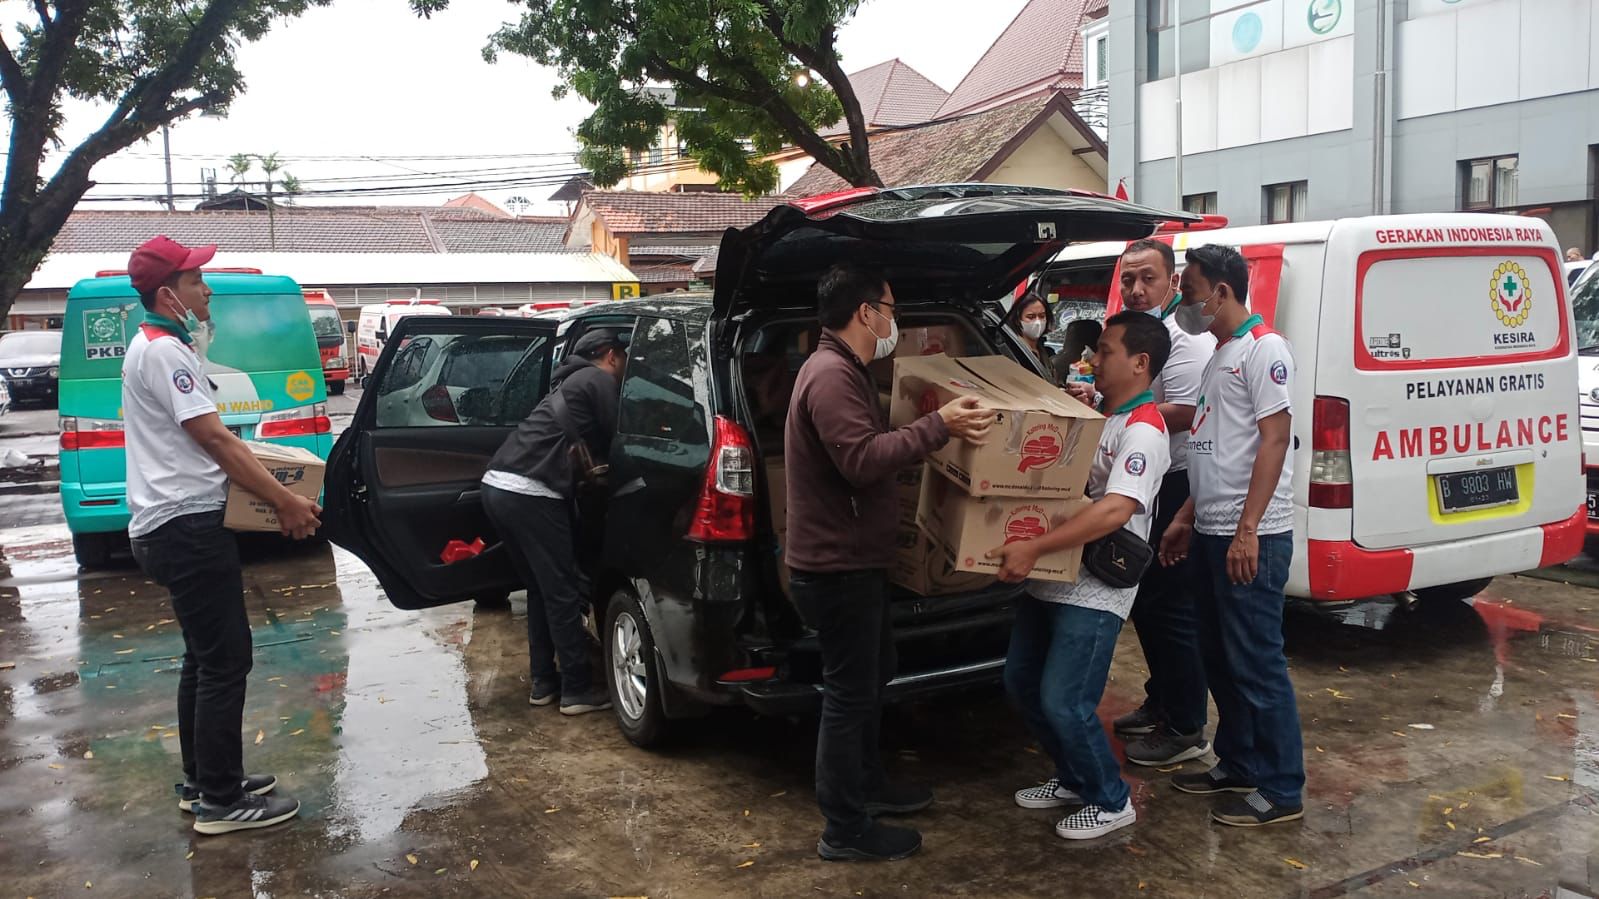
[{"x": 732, "y": 65}]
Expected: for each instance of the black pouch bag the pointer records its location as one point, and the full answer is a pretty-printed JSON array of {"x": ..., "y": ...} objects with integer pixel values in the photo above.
[{"x": 1119, "y": 559}]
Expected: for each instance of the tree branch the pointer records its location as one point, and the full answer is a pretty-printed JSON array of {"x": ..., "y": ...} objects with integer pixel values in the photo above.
[
  {"x": 44, "y": 12},
  {"x": 16, "y": 83},
  {"x": 823, "y": 58}
]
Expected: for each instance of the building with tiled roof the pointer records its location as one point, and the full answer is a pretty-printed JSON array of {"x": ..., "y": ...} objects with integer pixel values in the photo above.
[
  {"x": 892, "y": 93},
  {"x": 1036, "y": 140},
  {"x": 1040, "y": 51},
  {"x": 659, "y": 236}
]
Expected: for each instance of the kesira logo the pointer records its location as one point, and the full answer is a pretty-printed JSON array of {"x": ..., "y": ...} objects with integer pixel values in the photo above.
[
  {"x": 1042, "y": 447},
  {"x": 1509, "y": 294},
  {"x": 1025, "y": 523}
]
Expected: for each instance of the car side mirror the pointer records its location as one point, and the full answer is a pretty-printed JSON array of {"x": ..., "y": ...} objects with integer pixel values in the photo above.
[
  {"x": 349, "y": 327},
  {"x": 381, "y": 334},
  {"x": 476, "y": 404}
]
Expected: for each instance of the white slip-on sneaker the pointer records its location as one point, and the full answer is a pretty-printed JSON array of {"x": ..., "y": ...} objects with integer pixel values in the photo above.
[
  {"x": 1049, "y": 794},
  {"x": 1092, "y": 821}
]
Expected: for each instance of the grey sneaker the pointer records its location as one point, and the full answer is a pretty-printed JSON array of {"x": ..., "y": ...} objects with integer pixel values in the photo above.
[
  {"x": 544, "y": 694},
  {"x": 1166, "y": 748},
  {"x": 1215, "y": 780},
  {"x": 248, "y": 813},
  {"x": 595, "y": 699},
  {"x": 1140, "y": 721},
  {"x": 254, "y": 784}
]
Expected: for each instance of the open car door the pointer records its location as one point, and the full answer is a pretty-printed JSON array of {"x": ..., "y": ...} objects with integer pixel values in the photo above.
[{"x": 402, "y": 480}]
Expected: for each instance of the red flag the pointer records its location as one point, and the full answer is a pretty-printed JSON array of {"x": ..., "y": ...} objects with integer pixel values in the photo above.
[{"x": 1121, "y": 189}]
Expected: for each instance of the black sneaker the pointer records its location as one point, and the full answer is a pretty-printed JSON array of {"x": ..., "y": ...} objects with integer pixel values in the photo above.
[
  {"x": 544, "y": 693},
  {"x": 248, "y": 813},
  {"x": 1253, "y": 810},
  {"x": 1166, "y": 748},
  {"x": 1140, "y": 721},
  {"x": 1213, "y": 781},
  {"x": 593, "y": 699},
  {"x": 880, "y": 843},
  {"x": 254, "y": 784},
  {"x": 899, "y": 799}
]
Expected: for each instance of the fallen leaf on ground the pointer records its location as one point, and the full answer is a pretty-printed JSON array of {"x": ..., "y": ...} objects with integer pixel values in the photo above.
[
  {"x": 1399, "y": 733},
  {"x": 1564, "y": 715},
  {"x": 747, "y": 811},
  {"x": 55, "y": 767},
  {"x": 438, "y": 871},
  {"x": 779, "y": 793},
  {"x": 745, "y": 864},
  {"x": 1450, "y": 824},
  {"x": 1032, "y": 749},
  {"x": 298, "y": 732},
  {"x": 1296, "y": 863},
  {"x": 1523, "y": 858},
  {"x": 1466, "y": 803},
  {"x": 7, "y": 666},
  {"x": 473, "y": 865},
  {"x": 410, "y": 858},
  {"x": 1414, "y": 884},
  {"x": 1483, "y": 840},
  {"x": 1449, "y": 809},
  {"x": 1481, "y": 854},
  {"x": 1555, "y": 777},
  {"x": 189, "y": 856},
  {"x": 1422, "y": 727},
  {"x": 88, "y": 754},
  {"x": 260, "y": 736},
  {"x": 123, "y": 652},
  {"x": 1319, "y": 749},
  {"x": 752, "y": 845},
  {"x": 552, "y": 810}
]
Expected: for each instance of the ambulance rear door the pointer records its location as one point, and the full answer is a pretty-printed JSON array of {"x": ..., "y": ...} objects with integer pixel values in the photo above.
[{"x": 1451, "y": 340}]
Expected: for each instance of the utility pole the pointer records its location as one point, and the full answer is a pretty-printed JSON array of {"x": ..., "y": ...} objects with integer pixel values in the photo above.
[
  {"x": 1379, "y": 124},
  {"x": 166, "y": 154},
  {"x": 1177, "y": 67}
]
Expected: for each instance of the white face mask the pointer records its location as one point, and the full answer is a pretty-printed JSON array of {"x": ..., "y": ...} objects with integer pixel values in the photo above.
[
  {"x": 202, "y": 331},
  {"x": 1033, "y": 329},
  {"x": 1192, "y": 318},
  {"x": 1160, "y": 311},
  {"x": 885, "y": 345}
]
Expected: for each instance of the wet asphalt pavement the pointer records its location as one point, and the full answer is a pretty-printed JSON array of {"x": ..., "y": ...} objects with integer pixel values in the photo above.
[{"x": 1455, "y": 752}]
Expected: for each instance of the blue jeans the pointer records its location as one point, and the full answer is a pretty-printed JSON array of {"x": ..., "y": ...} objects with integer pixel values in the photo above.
[
  {"x": 1241, "y": 641},
  {"x": 1163, "y": 616},
  {"x": 1056, "y": 671}
]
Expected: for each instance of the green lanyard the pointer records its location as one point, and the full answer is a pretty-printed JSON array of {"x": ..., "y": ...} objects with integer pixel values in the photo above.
[
  {"x": 1147, "y": 396},
  {"x": 1176, "y": 300},
  {"x": 1248, "y": 324},
  {"x": 176, "y": 329}
]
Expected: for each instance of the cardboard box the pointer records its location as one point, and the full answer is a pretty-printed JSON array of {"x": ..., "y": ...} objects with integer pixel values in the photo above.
[
  {"x": 777, "y": 499},
  {"x": 297, "y": 469},
  {"x": 908, "y": 482},
  {"x": 1043, "y": 442},
  {"x": 966, "y": 527},
  {"x": 921, "y": 568}
]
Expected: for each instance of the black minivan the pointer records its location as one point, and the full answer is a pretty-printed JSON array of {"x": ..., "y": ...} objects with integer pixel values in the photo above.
[{"x": 688, "y": 590}]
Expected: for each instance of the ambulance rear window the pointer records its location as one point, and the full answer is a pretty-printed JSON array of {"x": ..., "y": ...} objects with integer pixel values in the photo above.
[{"x": 1470, "y": 309}]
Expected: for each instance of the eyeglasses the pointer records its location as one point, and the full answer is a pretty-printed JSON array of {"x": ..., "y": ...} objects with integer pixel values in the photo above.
[{"x": 892, "y": 312}]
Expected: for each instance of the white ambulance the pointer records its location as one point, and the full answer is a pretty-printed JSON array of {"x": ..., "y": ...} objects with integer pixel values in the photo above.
[
  {"x": 1585, "y": 308},
  {"x": 1436, "y": 427},
  {"x": 377, "y": 320}
]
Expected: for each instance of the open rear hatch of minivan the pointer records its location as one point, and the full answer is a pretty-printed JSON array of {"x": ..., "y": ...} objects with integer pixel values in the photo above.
[
  {"x": 948, "y": 251},
  {"x": 1455, "y": 401}
]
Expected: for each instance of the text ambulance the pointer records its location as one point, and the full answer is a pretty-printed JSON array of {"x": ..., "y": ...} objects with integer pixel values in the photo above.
[{"x": 1435, "y": 419}]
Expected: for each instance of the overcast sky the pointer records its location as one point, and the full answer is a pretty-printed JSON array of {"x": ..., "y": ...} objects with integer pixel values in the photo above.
[{"x": 365, "y": 78}]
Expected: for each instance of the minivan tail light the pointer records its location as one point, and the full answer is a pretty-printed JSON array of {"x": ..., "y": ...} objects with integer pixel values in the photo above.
[
  {"x": 301, "y": 422},
  {"x": 726, "y": 509},
  {"x": 1331, "y": 474},
  {"x": 91, "y": 433}
]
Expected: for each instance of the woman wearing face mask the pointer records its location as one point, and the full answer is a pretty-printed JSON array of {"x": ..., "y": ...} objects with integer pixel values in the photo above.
[{"x": 1029, "y": 317}]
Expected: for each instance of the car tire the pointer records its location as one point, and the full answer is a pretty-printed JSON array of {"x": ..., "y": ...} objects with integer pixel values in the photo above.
[
  {"x": 631, "y": 677},
  {"x": 336, "y": 388},
  {"x": 494, "y": 601},
  {"x": 93, "y": 551},
  {"x": 1447, "y": 593}
]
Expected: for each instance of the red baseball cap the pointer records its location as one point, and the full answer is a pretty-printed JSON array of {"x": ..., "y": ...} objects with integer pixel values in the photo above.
[{"x": 159, "y": 257}]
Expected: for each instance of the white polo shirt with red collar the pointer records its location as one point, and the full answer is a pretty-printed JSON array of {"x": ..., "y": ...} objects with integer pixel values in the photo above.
[
  {"x": 1134, "y": 454},
  {"x": 1248, "y": 379},
  {"x": 163, "y": 386}
]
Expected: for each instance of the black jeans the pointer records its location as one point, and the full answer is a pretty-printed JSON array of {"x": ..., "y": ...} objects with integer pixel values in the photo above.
[
  {"x": 197, "y": 560},
  {"x": 538, "y": 533},
  {"x": 849, "y": 611},
  {"x": 1168, "y": 627}
]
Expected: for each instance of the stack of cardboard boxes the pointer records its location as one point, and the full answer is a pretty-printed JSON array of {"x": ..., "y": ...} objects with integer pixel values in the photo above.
[{"x": 1030, "y": 475}]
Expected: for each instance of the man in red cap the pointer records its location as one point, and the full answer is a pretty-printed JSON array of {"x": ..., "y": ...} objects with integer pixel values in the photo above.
[{"x": 180, "y": 460}]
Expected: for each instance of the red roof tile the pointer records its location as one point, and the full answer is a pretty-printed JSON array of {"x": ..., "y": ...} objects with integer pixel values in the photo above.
[
  {"x": 1041, "y": 49},
  {"x": 892, "y": 93},
  {"x": 642, "y": 212}
]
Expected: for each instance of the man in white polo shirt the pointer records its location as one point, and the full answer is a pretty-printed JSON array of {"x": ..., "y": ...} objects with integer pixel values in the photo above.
[
  {"x": 1065, "y": 633},
  {"x": 1238, "y": 528},
  {"x": 180, "y": 459}
]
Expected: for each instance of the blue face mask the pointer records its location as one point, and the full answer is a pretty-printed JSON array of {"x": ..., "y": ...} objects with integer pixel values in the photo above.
[{"x": 1161, "y": 312}]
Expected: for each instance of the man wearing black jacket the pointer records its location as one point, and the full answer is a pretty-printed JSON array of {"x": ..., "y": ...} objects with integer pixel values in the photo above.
[{"x": 529, "y": 491}]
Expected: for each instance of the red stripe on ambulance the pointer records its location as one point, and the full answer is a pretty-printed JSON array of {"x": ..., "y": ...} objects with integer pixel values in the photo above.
[{"x": 1471, "y": 437}]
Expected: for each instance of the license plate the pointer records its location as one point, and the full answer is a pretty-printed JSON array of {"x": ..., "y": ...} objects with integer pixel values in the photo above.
[
  {"x": 1593, "y": 505},
  {"x": 237, "y": 430},
  {"x": 1464, "y": 490}
]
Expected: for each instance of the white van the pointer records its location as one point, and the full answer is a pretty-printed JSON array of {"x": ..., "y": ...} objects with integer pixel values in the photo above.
[
  {"x": 377, "y": 320},
  {"x": 1585, "y": 308},
  {"x": 1438, "y": 440}
]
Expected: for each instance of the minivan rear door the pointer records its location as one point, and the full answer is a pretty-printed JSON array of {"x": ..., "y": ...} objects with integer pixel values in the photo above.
[
  {"x": 966, "y": 244},
  {"x": 402, "y": 481},
  {"x": 1452, "y": 340}
]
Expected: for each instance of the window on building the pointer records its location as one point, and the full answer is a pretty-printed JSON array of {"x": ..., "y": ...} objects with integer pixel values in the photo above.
[
  {"x": 1101, "y": 66},
  {"x": 1200, "y": 204},
  {"x": 655, "y": 155},
  {"x": 1286, "y": 202},
  {"x": 1488, "y": 183}
]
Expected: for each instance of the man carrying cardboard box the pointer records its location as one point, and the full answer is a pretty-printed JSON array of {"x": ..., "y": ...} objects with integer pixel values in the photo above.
[
  {"x": 1065, "y": 633},
  {"x": 842, "y": 458},
  {"x": 181, "y": 459}
]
